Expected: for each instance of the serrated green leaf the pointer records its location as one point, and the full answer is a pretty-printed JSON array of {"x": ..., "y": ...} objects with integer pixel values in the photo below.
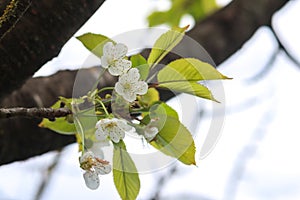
[
  {"x": 165, "y": 43},
  {"x": 189, "y": 87},
  {"x": 94, "y": 42},
  {"x": 163, "y": 109},
  {"x": 60, "y": 125},
  {"x": 188, "y": 69},
  {"x": 139, "y": 62},
  {"x": 87, "y": 119},
  {"x": 174, "y": 139},
  {"x": 126, "y": 177}
]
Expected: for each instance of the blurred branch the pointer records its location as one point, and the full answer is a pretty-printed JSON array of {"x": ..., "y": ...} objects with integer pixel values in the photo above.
[
  {"x": 162, "y": 181},
  {"x": 248, "y": 152},
  {"x": 49, "y": 113},
  {"x": 47, "y": 176},
  {"x": 283, "y": 47},
  {"x": 266, "y": 69}
]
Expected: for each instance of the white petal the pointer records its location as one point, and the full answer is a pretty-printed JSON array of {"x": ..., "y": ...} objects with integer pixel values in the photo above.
[
  {"x": 104, "y": 62},
  {"x": 134, "y": 75},
  {"x": 115, "y": 71},
  {"x": 129, "y": 96},
  {"x": 115, "y": 137},
  {"x": 141, "y": 88},
  {"x": 119, "y": 88},
  {"x": 119, "y": 132},
  {"x": 124, "y": 78},
  {"x": 123, "y": 65},
  {"x": 109, "y": 49},
  {"x": 101, "y": 134},
  {"x": 103, "y": 169},
  {"x": 124, "y": 126},
  {"x": 91, "y": 180},
  {"x": 120, "y": 51},
  {"x": 101, "y": 122}
]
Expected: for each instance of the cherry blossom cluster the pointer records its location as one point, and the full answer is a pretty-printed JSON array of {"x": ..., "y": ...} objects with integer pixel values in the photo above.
[
  {"x": 114, "y": 60},
  {"x": 113, "y": 129}
]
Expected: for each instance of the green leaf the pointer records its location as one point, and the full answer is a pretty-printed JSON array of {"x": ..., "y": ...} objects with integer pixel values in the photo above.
[
  {"x": 189, "y": 69},
  {"x": 157, "y": 18},
  {"x": 87, "y": 119},
  {"x": 165, "y": 43},
  {"x": 126, "y": 177},
  {"x": 174, "y": 139},
  {"x": 139, "y": 62},
  {"x": 198, "y": 9},
  {"x": 163, "y": 109},
  {"x": 150, "y": 97},
  {"x": 60, "y": 125},
  {"x": 94, "y": 42},
  {"x": 189, "y": 87}
]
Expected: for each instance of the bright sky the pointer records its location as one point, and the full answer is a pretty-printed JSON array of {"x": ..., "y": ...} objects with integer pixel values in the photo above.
[{"x": 259, "y": 138}]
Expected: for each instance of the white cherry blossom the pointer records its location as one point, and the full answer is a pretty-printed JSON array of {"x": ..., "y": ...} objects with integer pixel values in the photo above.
[
  {"x": 113, "y": 58},
  {"x": 113, "y": 128},
  {"x": 93, "y": 166},
  {"x": 129, "y": 85}
]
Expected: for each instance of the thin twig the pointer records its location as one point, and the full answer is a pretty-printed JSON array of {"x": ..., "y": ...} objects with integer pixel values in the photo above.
[
  {"x": 247, "y": 153},
  {"x": 162, "y": 181},
  {"x": 47, "y": 176},
  {"x": 283, "y": 48},
  {"x": 266, "y": 69},
  {"x": 49, "y": 113}
]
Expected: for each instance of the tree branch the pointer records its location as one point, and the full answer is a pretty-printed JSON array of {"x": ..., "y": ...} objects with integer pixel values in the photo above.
[
  {"x": 49, "y": 113},
  {"x": 30, "y": 41},
  {"x": 12, "y": 13}
]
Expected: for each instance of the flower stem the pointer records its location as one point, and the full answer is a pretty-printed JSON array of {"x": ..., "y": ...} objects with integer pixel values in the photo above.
[
  {"x": 105, "y": 88},
  {"x": 103, "y": 106}
]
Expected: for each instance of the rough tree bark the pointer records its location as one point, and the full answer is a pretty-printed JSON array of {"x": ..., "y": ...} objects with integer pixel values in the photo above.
[
  {"x": 221, "y": 34},
  {"x": 33, "y": 32}
]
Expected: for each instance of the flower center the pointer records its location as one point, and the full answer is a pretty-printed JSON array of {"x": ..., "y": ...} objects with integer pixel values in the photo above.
[
  {"x": 110, "y": 126},
  {"x": 127, "y": 86}
]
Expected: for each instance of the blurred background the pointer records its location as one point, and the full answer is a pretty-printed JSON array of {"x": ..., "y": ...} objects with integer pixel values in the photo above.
[{"x": 256, "y": 156}]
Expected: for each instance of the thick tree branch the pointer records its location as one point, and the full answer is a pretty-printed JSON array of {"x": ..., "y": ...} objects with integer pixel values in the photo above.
[
  {"x": 21, "y": 138},
  {"x": 49, "y": 113},
  {"x": 221, "y": 34},
  {"x": 12, "y": 13},
  {"x": 37, "y": 36}
]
